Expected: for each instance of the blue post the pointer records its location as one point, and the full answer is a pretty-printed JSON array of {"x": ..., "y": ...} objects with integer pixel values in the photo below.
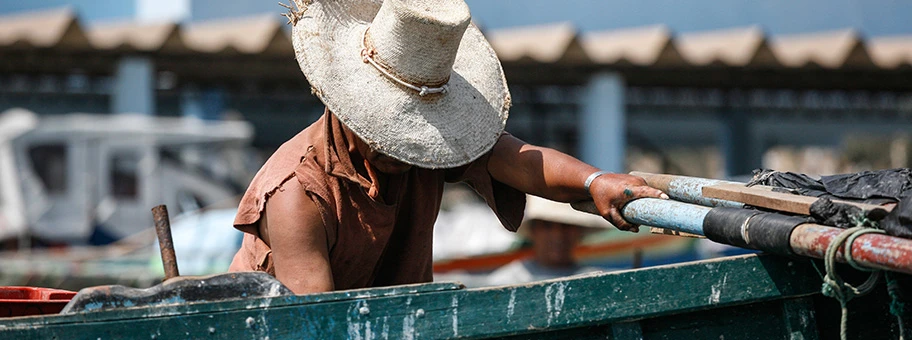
[
  {"x": 740, "y": 147},
  {"x": 134, "y": 86},
  {"x": 206, "y": 104},
  {"x": 603, "y": 123}
]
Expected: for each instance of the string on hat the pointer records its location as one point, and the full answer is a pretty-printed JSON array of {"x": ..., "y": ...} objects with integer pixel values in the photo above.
[{"x": 367, "y": 56}]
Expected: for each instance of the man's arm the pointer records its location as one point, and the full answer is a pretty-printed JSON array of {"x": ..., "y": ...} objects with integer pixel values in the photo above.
[
  {"x": 557, "y": 176},
  {"x": 296, "y": 234}
]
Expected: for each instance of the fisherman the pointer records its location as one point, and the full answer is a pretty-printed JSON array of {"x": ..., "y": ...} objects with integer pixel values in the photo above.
[
  {"x": 554, "y": 229},
  {"x": 415, "y": 97}
]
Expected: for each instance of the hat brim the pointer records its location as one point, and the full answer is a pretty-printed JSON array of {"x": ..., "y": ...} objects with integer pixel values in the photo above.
[
  {"x": 434, "y": 131},
  {"x": 542, "y": 209}
]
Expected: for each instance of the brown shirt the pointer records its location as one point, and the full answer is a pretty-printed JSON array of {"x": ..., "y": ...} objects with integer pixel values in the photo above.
[{"x": 371, "y": 242}]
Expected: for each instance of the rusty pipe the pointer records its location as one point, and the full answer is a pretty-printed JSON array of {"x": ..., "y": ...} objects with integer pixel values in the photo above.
[
  {"x": 163, "y": 230},
  {"x": 878, "y": 251}
]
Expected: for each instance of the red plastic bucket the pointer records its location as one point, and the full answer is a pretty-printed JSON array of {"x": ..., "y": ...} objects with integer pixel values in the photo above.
[{"x": 23, "y": 301}]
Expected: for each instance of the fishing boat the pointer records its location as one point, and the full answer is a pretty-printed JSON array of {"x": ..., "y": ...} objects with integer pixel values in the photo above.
[
  {"x": 784, "y": 293},
  {"x": 745, "y": 297}
]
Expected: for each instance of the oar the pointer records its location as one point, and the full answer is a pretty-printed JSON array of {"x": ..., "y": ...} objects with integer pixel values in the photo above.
[{"x": 764, "y": 231}]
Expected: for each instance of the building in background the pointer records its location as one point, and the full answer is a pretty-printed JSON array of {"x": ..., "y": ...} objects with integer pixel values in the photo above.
[
  {"x": 706, "y": 87},
  {"x": 873, "y": 18}
]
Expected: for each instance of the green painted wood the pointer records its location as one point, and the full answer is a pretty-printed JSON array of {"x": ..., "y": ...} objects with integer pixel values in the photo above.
[
  {"x": 758, "y": 321},
  {"x": 180, "y": 308},
  {"x": 580, "y": 333},
  {"x": 800, "y": 319},
  {"x": 449, "y": 313},
  {"x": 630, "y": 330}
]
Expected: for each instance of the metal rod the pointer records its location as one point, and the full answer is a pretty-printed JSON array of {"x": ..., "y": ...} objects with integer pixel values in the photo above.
[
  {"x": 661, "y": 213},
  {"x": 870, "y": 250},
  {"x": 687, "y": 189},
  {"x": 668, "y": 214},
  {"x": 163, "y": 230}
]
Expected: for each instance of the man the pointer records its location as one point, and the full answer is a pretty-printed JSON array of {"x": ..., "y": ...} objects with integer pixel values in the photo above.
[
  {"x": 554, "y": 229},
  {"x": 415, "y": 98}
]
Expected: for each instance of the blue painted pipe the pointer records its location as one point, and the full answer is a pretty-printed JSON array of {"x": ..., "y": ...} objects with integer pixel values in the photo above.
[{"x": 666, "y": 214}]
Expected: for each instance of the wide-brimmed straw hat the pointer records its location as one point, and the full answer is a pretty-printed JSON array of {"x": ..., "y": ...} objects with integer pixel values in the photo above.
[
  {"x": 414, "y": 79},
  {"x": 541, "y": 209}
]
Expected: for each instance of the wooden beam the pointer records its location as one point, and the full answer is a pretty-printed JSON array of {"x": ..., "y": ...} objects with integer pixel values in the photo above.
[
  {"x": 765, "y": 197},
  {"x": 663, "y": 231}
]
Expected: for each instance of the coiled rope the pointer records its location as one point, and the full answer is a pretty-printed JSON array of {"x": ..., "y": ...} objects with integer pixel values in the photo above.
[{"x": 835, "y": 287}]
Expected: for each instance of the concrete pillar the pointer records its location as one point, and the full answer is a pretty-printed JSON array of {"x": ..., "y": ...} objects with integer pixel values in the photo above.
[
  {"x": 741, "y": 149},
  {"x": 134, "y": 86},
  {"x": 603, "y": 122}
]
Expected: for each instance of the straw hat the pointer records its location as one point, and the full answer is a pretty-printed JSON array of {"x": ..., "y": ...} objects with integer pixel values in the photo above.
[
  {"x": 538, "y": 208},
  {"x": 415, "y": 79}
]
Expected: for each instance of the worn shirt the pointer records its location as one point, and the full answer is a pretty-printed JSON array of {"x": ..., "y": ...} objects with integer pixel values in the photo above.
[{"x": 372, "y": 242}]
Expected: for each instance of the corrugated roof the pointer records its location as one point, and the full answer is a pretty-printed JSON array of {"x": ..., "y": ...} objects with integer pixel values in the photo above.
[
  {"x": 833, "y": 49},
  {"x": 730, "y": 47},
  {"x": 891, "y": 52},
  {"x": 639, "y": 46},
  {"x": 545, "y": 44},
  {"x": 245, "y": 35},
  {"x": 559, "y": 43},
  {"x": 50, "y": 28},
  {"x": 133, "y": 36}
]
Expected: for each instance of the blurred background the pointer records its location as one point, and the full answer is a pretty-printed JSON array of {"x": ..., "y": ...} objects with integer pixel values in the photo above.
[{"x": 112, "y": 107}]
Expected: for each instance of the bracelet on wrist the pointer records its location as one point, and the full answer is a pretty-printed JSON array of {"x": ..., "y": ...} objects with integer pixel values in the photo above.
[{"x": 591, "y": 178}]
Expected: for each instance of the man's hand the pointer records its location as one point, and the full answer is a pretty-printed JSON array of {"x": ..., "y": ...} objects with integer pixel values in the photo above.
[{"x": 611, "y": 192}]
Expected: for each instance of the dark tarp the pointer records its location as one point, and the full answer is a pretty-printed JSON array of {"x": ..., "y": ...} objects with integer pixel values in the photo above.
[
  {"x": 873, "y": 187},
  {"x": 899, "y": 221}
]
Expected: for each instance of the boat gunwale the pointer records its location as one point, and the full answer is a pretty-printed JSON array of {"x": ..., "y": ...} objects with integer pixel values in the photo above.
[{"x": 580, "y": 301}]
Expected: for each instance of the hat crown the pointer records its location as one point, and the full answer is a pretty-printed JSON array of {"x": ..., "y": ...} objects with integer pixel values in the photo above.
[{"x": 417, "y": 40}]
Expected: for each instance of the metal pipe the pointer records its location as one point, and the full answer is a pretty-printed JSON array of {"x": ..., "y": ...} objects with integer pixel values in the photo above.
[
  {"x": 163, "y": 230},
  {"x": 687, "y": 189},
  {"x": 870, "y": 250},
  {"x": 661, "y": 213},
  {"x": 667, "y": 214}
]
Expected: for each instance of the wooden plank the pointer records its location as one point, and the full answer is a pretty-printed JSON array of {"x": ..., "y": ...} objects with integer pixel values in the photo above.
[
  {"x": 663, "y": 231},
  {"x": 467, "y": 313},
  {"x": 765, "y": 197}
]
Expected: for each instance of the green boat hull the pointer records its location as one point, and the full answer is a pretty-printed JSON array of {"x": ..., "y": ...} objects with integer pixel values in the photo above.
[{"x": 746, "y": 297}]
